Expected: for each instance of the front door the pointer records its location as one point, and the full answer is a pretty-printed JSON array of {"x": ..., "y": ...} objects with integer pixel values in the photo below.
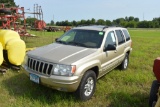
[{"x": 109, "y": 57}]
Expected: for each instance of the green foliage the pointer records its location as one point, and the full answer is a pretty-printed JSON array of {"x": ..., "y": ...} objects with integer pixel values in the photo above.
[
  {"x": 93, "y": 21},
  {"x": 8, "y": 3},
  {"x": 128, "y": 22},
  {"x": 128, "y": 88},
  {"x": 101, "y": 22},
  {"x": 118, "y": 21},
  {"x": 131, "y": 24},
  {"x": 108, "y": 23},
  {"x": 136, "y": 19},
  {"x": 131, "y": 18},
  {"x": 52, "y": 22},
  {"x": 143, "y": 24},
  {"x": 30, "y": 21},
  {"x": 83, "y": 22},
  {"x": 74, "y": 23},
  {"x": 64, "y": 23}
]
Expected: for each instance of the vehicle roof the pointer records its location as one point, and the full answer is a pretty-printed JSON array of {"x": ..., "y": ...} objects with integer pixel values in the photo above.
[{"x": 98, "y": 27}]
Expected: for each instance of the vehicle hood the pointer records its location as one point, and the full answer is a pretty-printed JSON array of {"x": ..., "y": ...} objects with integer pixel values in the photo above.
[{"x": 60, "y": 53}]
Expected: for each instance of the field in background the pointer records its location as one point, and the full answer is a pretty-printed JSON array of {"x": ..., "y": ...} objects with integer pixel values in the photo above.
[{"x": 128, "y": 88}]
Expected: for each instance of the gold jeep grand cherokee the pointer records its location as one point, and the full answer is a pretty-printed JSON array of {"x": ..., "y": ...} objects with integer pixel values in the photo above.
[{"x": 78, "y": 58}]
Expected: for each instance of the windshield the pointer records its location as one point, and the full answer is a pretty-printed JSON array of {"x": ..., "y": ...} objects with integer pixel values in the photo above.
[{"x": 84, "y": 38}]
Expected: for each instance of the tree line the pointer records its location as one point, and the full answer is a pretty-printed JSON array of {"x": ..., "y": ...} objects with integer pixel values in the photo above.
[{"x": 128, "y": 22}]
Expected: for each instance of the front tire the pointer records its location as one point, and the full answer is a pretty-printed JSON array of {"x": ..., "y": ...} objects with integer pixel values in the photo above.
[{"x": 87, "y": 86}]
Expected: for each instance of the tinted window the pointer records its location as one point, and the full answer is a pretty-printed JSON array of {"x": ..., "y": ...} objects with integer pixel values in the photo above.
[
  {"x": 120, "y": 37},
  {"x": 126, "y": 34},
  {"x": 110, "y": 39}
]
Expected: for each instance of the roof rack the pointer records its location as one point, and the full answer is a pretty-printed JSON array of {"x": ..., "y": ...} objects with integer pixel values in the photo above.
[
  {"x": 101, "y": 26},
  {"x": 86, "y": 25},
  {"x": 104, "y": 27},
  {"x": 116, "y": 26},
  {"x": 110, "y": 26},
  {"x": 81, "y": 25}
]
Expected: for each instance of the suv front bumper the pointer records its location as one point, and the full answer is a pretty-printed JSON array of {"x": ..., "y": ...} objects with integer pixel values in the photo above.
[{"x": 61, "y": 83}]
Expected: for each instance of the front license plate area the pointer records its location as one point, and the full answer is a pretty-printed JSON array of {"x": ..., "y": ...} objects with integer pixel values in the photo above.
[{"x": 34, "y": 78}]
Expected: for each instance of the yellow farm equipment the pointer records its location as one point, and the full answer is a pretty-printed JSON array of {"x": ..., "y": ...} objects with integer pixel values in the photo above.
[{"x": 12, "y": 48}]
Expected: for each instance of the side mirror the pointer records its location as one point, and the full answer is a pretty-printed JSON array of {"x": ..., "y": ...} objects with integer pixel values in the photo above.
[
  {"x": 109, "y": 48},
  {"x": 56, "y": 39}
]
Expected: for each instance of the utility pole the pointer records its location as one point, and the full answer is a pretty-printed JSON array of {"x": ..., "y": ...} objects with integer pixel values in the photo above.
[
  {"x": 34, "y": 9},
  {"x": 53, "y": 18}
]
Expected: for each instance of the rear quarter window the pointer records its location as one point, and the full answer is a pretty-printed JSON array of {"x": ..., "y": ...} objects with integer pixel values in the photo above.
[
  {"x": 120, "y": 37},
  {"x": 126, "y": 34}
]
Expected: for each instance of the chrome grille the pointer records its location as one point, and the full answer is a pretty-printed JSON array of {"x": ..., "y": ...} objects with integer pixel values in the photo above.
[{"x": 40, "y": 66}]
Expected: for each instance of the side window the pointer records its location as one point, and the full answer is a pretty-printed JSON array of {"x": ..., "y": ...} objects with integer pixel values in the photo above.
[
  {"x": 110, "y": 39},
  {"x": 126, "y": 35},
  {"x": 120, "y": 36}
]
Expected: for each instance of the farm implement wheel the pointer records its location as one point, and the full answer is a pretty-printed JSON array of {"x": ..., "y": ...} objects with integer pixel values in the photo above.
[{"x": 4, "y": 11}]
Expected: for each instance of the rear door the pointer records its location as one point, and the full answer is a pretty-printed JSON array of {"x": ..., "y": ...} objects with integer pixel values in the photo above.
[{"x": 121, "y": 45}]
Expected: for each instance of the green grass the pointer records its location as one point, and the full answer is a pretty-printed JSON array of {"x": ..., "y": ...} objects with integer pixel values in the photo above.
[{"x": 128, "y": 88}]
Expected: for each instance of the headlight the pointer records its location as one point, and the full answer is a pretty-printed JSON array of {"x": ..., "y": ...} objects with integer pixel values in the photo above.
[
  {"x": 25, "y": 61},
  {"x": 64, "y": 70}
]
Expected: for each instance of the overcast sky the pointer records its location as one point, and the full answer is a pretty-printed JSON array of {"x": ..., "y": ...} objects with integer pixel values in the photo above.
[{"x": 61, "y": 10}]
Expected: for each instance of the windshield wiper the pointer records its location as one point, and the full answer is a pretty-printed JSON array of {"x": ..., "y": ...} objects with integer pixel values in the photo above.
[
  {"x": 62, "y": 42},
  {"x": 77, "y": 44}
]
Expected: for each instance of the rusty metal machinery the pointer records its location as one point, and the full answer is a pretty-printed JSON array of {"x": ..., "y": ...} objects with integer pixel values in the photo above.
[
  {"x": 9, "y": 19},
  {"x": 14, "y": 18},
  {"x": 39, "y": 24}
]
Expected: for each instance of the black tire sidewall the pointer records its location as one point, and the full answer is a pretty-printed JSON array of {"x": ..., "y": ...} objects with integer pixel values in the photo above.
[
  {"x": 4, "y": 11},
  {"x": 153, "y": 92},
  {"x": 80, "y": 91}
]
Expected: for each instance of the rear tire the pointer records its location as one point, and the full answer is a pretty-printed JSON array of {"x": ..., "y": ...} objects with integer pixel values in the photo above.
[
  {"x": 125, "y": 62},
  {"x": 153, "y": 92},
  {"x": 87, "y": 86}
]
